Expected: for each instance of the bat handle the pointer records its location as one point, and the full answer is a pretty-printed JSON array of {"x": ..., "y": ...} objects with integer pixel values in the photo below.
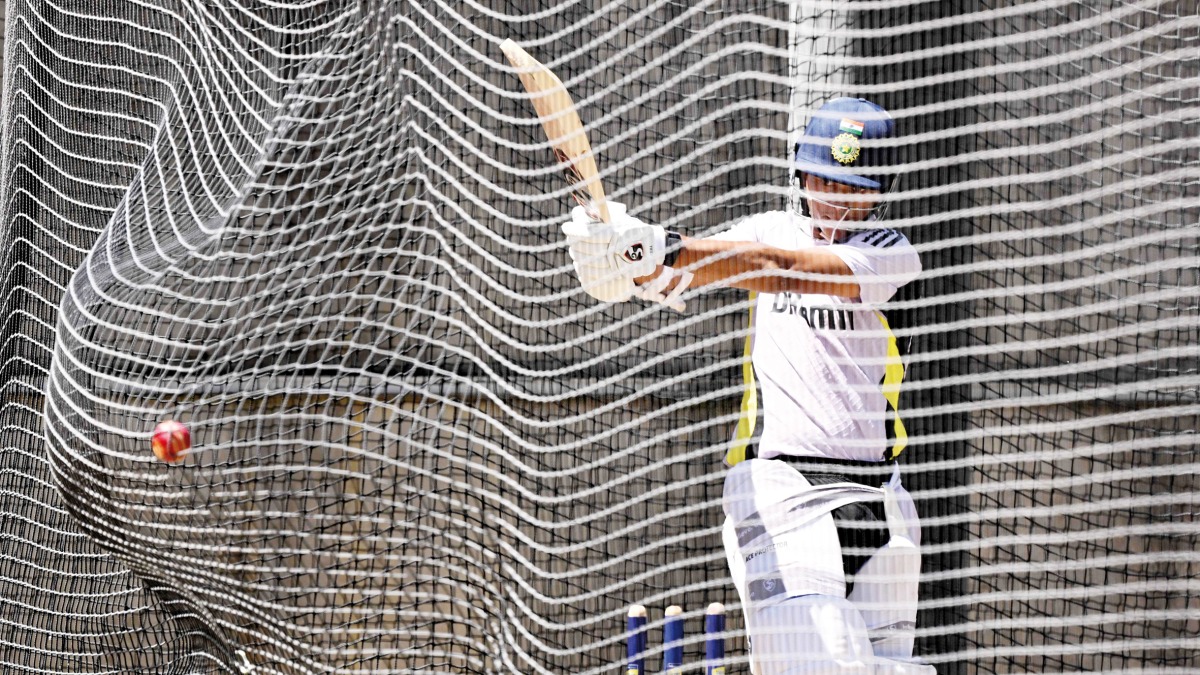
[
  {"x": 601, "y": 206},
  {"x": 597, "y": 209}
]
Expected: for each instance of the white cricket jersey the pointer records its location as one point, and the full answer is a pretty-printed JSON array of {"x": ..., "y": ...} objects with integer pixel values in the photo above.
[{"x": 820, "y": 359}]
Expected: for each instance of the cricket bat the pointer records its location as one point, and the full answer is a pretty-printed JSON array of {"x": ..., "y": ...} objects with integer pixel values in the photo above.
[{"x": 557, "y": 113}]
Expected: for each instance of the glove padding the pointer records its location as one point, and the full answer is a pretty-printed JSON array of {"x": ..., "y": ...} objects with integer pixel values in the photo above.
[{"x": 609, "y": 256}]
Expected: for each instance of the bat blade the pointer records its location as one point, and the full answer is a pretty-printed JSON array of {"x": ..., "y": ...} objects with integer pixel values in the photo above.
[{"x": 563, "y": 128}]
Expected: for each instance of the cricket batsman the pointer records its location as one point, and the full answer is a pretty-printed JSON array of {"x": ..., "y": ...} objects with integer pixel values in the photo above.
[{"x": 821, "y": 537}]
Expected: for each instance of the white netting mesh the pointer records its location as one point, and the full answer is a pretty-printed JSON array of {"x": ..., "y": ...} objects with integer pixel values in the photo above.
[{"x": 325, "y": 235}]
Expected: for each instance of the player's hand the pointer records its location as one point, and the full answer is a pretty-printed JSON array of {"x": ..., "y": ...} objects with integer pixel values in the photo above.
[
  {"x": 589, "y": 242},
  {"x": 609, "y": 256}
]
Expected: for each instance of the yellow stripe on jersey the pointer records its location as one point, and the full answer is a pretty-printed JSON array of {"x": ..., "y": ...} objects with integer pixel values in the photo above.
[
  {"x": 749, "y": 415},
  {"x": 893, "y": 375}
]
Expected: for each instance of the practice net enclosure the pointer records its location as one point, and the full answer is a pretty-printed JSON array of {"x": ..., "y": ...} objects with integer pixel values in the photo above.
[{"x": 326, "y": 236}]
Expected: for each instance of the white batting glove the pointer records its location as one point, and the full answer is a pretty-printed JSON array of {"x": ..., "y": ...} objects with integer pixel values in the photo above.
[{"x": 609, "y": 256}]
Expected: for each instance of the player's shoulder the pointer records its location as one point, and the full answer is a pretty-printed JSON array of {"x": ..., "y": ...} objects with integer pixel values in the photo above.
[
  {"x": 879, "y": 238},
  {"x": 767, "y": 220},
  {"x": 758, "y": 227}
]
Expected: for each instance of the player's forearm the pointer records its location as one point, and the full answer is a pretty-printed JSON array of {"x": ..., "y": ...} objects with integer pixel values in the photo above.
[{"x": 757, "y": 267}]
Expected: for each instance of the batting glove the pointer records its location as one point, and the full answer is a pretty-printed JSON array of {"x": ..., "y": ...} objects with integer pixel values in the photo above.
[{"x": 609, "y": 256}]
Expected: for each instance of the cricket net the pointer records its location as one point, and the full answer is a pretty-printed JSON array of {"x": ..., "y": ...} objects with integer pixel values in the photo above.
[{"x": 325, "y": 235}]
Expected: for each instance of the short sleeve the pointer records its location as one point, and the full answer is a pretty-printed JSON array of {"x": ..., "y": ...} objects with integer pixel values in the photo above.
[
  {"x": 748, "y": 229},
  {"x": 882, "y": 260}
]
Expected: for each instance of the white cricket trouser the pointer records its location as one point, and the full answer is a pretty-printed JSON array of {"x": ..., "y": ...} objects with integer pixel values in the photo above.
[{"x": 786, "y": 562}]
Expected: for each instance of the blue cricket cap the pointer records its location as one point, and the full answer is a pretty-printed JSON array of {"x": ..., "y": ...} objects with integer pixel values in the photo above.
[{"x": 837, "y": 144}]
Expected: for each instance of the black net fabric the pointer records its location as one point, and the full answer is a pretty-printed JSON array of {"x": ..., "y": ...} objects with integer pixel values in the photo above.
[{"x": 326, "y": 236}]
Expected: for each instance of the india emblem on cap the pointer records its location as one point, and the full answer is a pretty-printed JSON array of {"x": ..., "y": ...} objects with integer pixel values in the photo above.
[{"x": 845, "y": 148}]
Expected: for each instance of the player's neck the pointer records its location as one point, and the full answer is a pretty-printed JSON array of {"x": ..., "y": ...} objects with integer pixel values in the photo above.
[{"x": 830, "y": 235}]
